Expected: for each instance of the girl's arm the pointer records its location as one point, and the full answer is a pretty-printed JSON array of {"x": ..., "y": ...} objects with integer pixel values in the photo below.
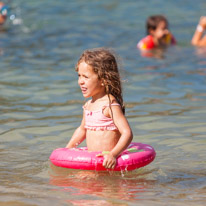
[
  {"x": 197, "y": 39},
  {"x": 78, "y": 136},
  {"x": 125, "y": 138}
]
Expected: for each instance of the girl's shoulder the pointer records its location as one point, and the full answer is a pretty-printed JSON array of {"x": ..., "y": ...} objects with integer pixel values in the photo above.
[{"x": 112, "y": 100}]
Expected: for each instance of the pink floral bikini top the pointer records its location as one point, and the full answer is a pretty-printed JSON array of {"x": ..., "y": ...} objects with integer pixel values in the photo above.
[{"x": 96, "y": 120}]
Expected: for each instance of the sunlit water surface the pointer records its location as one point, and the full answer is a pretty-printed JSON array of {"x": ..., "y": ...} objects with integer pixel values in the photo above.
[{"x": 41, "y": 103}]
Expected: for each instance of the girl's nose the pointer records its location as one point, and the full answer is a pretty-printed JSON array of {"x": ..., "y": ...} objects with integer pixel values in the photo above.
[{"x": 80, "y": 81}]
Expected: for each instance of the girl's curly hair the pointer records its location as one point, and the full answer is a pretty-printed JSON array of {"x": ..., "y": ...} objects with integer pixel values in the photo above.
[{"x": 104, "y": 64}]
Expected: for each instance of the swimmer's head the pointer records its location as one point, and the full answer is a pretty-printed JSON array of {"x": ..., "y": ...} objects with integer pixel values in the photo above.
[{"x": 3, "y": 13}]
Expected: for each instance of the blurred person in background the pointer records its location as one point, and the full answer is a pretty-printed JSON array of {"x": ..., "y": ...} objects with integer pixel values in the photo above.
[
  {"x": 3, "y": 13},
  {"x": 198, "y": 38}
]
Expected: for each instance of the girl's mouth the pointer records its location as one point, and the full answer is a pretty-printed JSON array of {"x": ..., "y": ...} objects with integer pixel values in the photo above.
[{"x": 83, "y": 89}]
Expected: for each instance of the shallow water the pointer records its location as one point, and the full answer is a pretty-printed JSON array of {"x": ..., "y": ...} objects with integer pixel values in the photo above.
[{"x": 40, "y": 103}]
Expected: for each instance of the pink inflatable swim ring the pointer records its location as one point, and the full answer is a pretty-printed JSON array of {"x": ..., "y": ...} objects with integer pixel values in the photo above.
[{"x": 135, "y": 156}]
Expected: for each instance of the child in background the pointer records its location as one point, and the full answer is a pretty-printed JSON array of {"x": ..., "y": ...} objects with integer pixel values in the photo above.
[
  {"x": 198, "y": 39},
  {"x": 3, "y": 13},
  {"x": 103, "y": 125},
  {"x": 158, "y": 34}
]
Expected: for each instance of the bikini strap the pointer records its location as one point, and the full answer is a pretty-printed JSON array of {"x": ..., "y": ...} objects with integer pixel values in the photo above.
[{"x": 113, "y": 104}]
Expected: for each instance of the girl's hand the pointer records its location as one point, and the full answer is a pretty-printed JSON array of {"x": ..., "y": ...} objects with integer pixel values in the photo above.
[{"x": 109, "y": 160}]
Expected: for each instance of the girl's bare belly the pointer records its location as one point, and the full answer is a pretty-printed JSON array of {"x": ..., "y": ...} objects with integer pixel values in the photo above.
[{"x": 102, "y": 140}]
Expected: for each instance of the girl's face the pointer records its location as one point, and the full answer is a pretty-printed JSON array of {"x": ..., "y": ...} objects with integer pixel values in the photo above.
[
  {"x": 161, "y": 31},
  {"x": 89, "y": 83}
]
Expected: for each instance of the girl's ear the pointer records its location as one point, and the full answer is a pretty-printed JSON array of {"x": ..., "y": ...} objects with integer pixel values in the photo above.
[{"x": 103, "y": 82}]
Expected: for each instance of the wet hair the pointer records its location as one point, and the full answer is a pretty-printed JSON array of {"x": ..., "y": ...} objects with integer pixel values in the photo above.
[
  {"x": 153, "y": 21},
  {"x": 104, "y": 64}
]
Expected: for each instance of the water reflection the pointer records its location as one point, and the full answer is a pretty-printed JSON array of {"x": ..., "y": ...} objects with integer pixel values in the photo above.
[
  {"x": 101, "y": 187},
  {"x": 201, "y": 52},
  {"x": 154, "y": 53}
]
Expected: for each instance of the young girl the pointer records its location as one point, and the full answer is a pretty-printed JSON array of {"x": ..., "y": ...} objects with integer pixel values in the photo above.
[
  {"x": 198, "y": 39},
  {"x": 158, "y": 34},
  {"x": 103, "y": 125}
]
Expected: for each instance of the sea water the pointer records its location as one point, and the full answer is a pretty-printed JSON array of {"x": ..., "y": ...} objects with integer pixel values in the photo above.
[{"x": 41, "y": 103}]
